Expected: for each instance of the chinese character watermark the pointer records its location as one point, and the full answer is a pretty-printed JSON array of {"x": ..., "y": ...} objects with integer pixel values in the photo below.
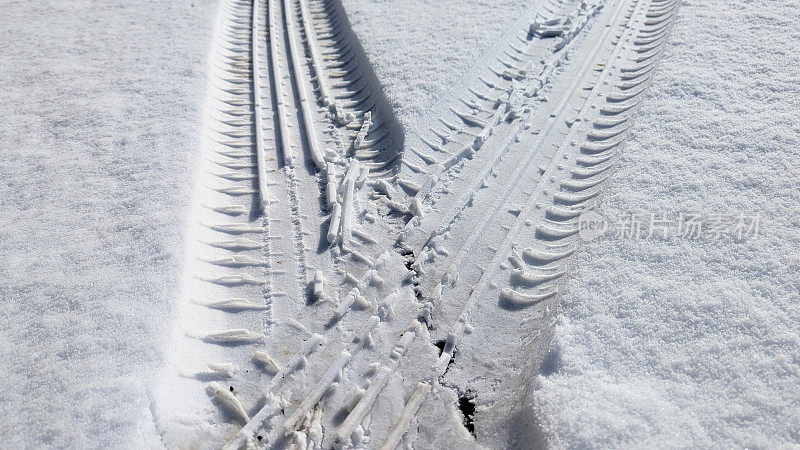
[{"x": 712, "y": 226}]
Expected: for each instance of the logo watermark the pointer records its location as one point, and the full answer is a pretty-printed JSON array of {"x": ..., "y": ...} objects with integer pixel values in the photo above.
[{"x": 665, "y": 226}]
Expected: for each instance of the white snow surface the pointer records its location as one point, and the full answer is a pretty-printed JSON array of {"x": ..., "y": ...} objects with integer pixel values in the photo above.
[
  {"x": 674, "y": 343},
  {"x": 100, "y": 105}
]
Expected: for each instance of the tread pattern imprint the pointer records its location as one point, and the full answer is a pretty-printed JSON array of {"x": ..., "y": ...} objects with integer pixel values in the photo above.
[{"x": 347, "y": 286}]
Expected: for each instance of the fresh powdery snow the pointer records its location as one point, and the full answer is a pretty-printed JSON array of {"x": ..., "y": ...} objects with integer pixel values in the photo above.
[
  {"x": 100, "y": 106},
  {"x": 400, "y": 224}
]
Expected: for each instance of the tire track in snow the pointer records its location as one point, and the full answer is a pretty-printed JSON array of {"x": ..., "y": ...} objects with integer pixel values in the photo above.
[
  {"x": 350, "y": 328},
  {"x": 297, "y": 120},
  {"x": 596, "y": 97},
  {"x": 363, "y": 150},
  {"x": 228, "y": 296}
]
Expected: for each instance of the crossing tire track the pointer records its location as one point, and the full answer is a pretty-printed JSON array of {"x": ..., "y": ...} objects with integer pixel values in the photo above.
[{"x": 347, "y": 285}]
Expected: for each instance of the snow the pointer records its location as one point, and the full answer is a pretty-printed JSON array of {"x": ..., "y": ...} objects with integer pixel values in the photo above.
[
  {"x": 100, "y": 105},
  {"x": 660, "y": 343},
  {"x": 686, "y": 343},
  {"x": 675, "y": 343},
  {"x": 420, "y": 50}
]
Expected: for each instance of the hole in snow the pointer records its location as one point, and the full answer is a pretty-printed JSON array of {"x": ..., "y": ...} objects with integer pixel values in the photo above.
[
  {"x": 440, "y": 343},
  {"x": 466, "y": 403}
]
